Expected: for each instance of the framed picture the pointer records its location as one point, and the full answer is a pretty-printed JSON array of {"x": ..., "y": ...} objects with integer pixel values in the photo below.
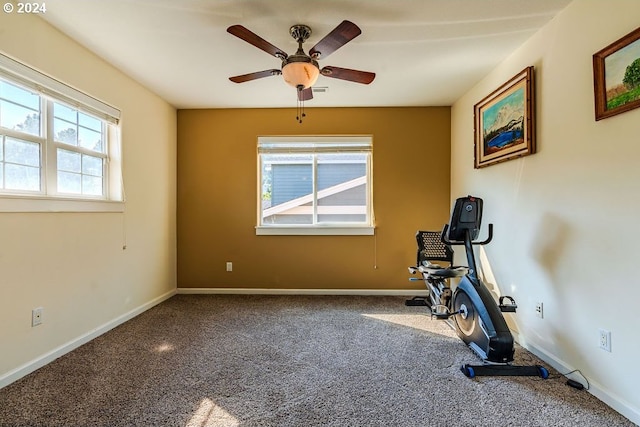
[
  {"x": 616, "y": 76},
  {"x": 504, "y": 125}
]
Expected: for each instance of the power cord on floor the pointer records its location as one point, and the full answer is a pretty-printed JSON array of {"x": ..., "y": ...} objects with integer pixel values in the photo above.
[{"x": 573, "y": 383}]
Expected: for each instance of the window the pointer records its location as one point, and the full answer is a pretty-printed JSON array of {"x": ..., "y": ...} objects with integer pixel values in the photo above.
[
  {"x": 56, "y": 143},
  {"x": 80, "y": 154},
  {"x": 315, "y": 185}
]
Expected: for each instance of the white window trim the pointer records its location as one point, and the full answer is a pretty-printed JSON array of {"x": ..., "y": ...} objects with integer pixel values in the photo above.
[
  {"x": 52, "y": 89},
  {"x": 24, "y": 204},
  {"x": 318, "y": 229}
]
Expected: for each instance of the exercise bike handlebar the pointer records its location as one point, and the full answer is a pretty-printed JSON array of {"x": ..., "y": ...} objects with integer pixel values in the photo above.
[{"x": 446, "y": 241}]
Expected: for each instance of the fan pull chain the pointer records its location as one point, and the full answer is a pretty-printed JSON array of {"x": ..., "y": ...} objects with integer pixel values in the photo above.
[{"x": 300, "y": 114}]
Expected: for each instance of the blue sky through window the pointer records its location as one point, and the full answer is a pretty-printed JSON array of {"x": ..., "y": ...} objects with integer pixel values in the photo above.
[{"x": 19, "y": 109}]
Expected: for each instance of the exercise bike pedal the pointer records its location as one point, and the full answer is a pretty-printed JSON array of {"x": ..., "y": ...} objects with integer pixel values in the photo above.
[
  {"x": 441, "y": 312},
  {"x": 440, "y": 316},
  {"x": 509, "y": 307}
]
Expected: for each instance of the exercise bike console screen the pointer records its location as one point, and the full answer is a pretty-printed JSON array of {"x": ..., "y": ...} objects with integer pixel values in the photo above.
[{"x": 467, "y": 215}]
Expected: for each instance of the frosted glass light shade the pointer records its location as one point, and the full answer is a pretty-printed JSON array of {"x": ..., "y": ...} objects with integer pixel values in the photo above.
[{"x": 302, "y": 74}]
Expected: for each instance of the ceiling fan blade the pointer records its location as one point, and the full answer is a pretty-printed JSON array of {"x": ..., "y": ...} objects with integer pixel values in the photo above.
[
  {"x": 341, "y": 35},
  {"x": 253, "y": 76},
  {"x": 364, "y": 77},
  {"x": 252, "y": 38},
  {"x": 305, "y": 94}
]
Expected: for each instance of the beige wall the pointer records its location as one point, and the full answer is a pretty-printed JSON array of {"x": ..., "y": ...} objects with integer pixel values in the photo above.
[
  {"x": 565, "y": 231},
  {"x": 73, "y": 264},
  {"x": 217, "y": 185}
]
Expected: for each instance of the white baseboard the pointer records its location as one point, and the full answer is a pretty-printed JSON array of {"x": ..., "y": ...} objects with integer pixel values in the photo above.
[
  {"x": 49, "y": 357},
  {"x": 605, "y": 395},
  {"x": 264, "y": 291}
]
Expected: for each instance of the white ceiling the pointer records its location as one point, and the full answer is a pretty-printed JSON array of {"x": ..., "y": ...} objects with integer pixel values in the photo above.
[{"x": 424, "y": 52}]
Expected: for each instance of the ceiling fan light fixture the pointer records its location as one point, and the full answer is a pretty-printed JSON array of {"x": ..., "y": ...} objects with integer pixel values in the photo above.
[
  {"x": 301, "y": 70},
  {"x": 300, "y": 73}
]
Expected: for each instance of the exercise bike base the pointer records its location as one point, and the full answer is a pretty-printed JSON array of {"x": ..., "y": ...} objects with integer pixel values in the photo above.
[
  {"x": 504, "y": 370},
  {"x": 417, "y": 301}
]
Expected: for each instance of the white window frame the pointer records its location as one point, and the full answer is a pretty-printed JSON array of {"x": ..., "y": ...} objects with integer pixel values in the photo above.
[
  {"x": 48, "y": 199},
  {"x": 317, "y": 144}
]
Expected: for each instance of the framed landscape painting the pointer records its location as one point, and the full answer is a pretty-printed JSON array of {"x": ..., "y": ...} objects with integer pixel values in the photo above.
[
  {"x": 616, "y": 76},
  {"x": 504, "y": 125}
]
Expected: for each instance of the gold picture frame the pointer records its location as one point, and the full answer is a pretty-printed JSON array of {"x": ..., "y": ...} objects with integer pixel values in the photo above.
[
  {"x": 616, "y": 76},
  {"x": 504, "y": 125}
]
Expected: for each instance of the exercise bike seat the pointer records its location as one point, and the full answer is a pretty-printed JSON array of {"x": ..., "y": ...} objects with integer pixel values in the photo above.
[
  {"x": 437, "y": 271},
  {"x": 432, "y": 248}
]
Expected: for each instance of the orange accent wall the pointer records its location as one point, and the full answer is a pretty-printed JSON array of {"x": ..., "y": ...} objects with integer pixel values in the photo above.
[{"x": 217, "y": 194}]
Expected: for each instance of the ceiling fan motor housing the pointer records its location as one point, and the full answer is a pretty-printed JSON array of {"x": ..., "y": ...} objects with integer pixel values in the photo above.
[{"x": 300, "y": 70}]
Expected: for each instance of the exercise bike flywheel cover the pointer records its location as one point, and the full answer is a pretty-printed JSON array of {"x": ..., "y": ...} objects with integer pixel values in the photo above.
[{"x": 467, "y": 320}]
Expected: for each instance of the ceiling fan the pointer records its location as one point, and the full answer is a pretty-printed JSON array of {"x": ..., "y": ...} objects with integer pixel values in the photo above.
[{"x": 301, "y": 70}]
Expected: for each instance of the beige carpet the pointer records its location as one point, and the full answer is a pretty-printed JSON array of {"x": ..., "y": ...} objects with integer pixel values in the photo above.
[{"x": 288, "y": 361}]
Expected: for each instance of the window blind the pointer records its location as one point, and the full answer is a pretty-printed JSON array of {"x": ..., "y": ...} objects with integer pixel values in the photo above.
[
  {"x": 314, "y": 144},
  {"x": 52, "y": 88}
]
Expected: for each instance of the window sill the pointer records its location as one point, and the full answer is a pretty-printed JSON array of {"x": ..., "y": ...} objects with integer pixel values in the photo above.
[
  {"x": 314, "y": 231},
  {"x": 50, "y": 204}
]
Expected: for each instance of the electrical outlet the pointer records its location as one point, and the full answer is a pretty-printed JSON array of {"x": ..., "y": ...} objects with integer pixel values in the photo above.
[
  {"x": 229, "y": 266},
  {"x": 539, "y": 311},
  {"x": 36, "y": 316},
  {"x": 604, "y": 339}
]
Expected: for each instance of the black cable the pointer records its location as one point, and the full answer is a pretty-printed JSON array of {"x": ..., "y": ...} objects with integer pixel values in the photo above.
[{"x": 574, "y": 384}]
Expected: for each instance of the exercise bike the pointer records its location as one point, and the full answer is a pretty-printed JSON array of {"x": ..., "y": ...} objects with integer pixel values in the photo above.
[{"x": 477, "y": 318}]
